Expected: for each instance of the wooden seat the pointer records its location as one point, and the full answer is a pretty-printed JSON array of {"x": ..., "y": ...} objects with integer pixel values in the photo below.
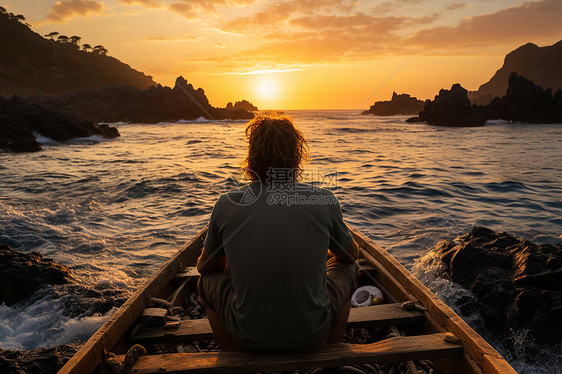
[
  {"x": 395, "y": 349},
  {"x": 192, "y": 275},
  {"x": 198, "y": 329}
]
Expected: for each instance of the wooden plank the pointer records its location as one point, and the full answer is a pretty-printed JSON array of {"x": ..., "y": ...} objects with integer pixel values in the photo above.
[
  {"x": 476, "y": 347},
  {"x": 190, "y": 274},
  {"x": 186, "y": 332},
  {"x": 91, "y": 354},
  {"x": 383, "y": 315},
  {"x": 154, "y": 316},
  {"x": 394, "y": 349},
  {"x": 198, "y": 329}
]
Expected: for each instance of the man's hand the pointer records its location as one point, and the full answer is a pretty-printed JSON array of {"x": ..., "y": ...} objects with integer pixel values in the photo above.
[
  {"x": 349, "y": 255},
  {"x": 207, "y": 264}
]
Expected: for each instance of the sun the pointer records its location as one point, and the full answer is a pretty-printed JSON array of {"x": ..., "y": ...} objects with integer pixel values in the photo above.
[{"x": 267, "y": 88}]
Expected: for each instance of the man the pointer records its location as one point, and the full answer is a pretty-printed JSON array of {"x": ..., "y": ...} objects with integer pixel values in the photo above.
[{"x": 265, "y": 282}]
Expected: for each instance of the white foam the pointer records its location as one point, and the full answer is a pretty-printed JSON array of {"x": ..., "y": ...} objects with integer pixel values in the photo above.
[
  {"x": 38, "y": 322},
  {"x": 197, "y": 120},
  {"x": 45, "y": 140}
]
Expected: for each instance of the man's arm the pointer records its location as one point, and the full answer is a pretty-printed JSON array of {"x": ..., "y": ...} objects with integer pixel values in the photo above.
[
  {"x": 349, "y": 255},
  {"x": 207, "y": 264}
]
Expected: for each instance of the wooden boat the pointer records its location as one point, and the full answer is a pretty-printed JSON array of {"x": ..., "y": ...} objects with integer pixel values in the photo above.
[{"x": 435, "y": 332}]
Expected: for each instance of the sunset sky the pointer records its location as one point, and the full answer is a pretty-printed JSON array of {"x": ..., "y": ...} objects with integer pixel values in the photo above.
[{"x": 305, "y": 54}]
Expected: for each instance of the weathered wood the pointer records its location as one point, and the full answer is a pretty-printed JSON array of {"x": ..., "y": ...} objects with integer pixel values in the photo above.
[
  {"x": 91, "y": 354},
  {"x": 153, "y": 316},
  {"x": 190, "y": 274},
  {"x": 477, "y": 348},
  {"x": 395, "y": 349},
  {"x": 197, "y": 329}
]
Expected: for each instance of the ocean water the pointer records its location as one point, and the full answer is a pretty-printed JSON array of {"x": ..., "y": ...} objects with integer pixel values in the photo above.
[{"x": 115, "y": 210}]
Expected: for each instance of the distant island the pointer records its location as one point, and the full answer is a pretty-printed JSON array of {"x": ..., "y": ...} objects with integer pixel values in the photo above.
[
  {"x": 399, "y": 104},
  {"x": 242, "y": 105},
  {"x": 542, "y": 65}
]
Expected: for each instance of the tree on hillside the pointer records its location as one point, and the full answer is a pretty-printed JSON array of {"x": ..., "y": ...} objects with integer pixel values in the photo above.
[
  {"x": 75, "y": 40},
  {"x": 20, "y": 17},
  {"x": 99, "y": 49},
  {"x": 52, "y": 35},
  {"x": 86, "y": 47},
  {"x": 62, "y": 39},
  {"x": 3, "y": 10}
]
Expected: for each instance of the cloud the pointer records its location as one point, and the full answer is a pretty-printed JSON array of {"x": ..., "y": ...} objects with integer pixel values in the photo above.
[
  {"x": 67, "y": 9},
  {"x": 146, "y": 3},
  {"x": 277, "y": 14},
  {"x": 518, "y": 24},
  {"x": 192, "y": 9},
  {"x": 170, "y": 39},
  {"x": 455, "y": 6}
]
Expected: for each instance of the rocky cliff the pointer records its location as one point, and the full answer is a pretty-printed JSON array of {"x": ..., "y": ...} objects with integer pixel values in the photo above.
[{"x": 542, "y": 65}]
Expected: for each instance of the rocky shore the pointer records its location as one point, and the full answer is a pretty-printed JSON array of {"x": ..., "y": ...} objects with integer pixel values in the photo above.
[
  {"x": 524, "y": 102},
  {"x": 517, "y": 284},
  {"x": 21, "y": 121},
  {"x": 399, "y": 104},
  {"x": 25, "y": 274},
  {"x": 119, "y": 103}
]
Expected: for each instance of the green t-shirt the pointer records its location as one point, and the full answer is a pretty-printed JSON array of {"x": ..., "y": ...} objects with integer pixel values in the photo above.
[{"x": 276, "y": 244}]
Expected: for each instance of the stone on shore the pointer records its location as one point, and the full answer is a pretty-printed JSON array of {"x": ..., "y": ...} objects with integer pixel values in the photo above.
[
  {"x": 518, "y": 284},
  {"x": 23, "y": 273},
  {"x": 36, "y": 361},
  {"x": 21, "y": 120}
]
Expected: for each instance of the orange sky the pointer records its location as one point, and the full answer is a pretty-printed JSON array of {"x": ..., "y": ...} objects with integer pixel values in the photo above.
[{"x": 305, "y": 54}]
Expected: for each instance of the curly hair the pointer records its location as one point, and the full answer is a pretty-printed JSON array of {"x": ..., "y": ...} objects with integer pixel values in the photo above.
[{"x": 274, "y": 142}]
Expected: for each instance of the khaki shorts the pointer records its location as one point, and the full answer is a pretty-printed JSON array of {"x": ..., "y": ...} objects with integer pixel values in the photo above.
[{"x": 341, "y": 278}]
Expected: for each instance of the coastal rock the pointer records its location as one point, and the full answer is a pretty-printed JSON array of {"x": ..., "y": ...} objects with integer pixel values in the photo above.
[
  {"x": 399, "y": 104},
  {"x": 518, "y": 284},
  {"x": 526, "y": 102},
  {"x": 22, "y": 273},
  {"x": 452, "y": 108},
  {"x": 244, "y": 105},
  {"x": 20, "y": 120},
  {"x": 118, "y": 103},
  {"x": 542, "y": 65},
  {"x": 37, "y": 361}
]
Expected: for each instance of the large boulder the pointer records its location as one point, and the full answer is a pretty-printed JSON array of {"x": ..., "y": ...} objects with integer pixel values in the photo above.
[
  {"x": 452, "y": 108},
  {"x": 399, "y": 104},
  {"x": 21, "y": 120},
  {"x": 527, "y": 102},
  {"x": 22, "y": 273},
  {"x": 518, "y": 283}
]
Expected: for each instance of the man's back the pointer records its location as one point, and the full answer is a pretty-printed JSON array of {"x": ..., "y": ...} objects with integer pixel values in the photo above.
[{"x": 276, "y": 247}]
